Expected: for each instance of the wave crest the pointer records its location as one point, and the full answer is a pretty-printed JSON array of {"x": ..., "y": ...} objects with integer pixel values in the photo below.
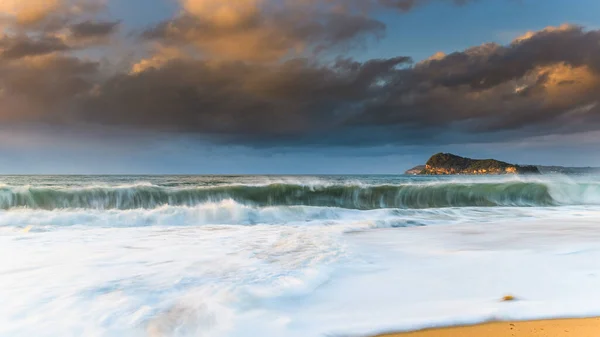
[{"x": 362, "y": 197}]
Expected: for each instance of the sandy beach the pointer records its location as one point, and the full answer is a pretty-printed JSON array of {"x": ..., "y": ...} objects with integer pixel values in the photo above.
[{"x": 585, "y": 327}]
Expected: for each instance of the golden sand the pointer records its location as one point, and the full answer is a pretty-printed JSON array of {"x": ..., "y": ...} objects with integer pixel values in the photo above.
[{"x": 585, "y": 327}]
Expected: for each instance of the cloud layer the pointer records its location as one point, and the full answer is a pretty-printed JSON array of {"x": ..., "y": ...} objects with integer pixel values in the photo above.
[{"x": 270, "y": 73}]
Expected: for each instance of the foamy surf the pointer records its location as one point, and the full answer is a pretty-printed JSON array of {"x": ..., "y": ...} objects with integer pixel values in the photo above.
[{"x": 306, "y": 258}]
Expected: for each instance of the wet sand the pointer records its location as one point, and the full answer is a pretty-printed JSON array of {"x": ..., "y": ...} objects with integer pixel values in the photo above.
[{"x": 585, "y": 327}]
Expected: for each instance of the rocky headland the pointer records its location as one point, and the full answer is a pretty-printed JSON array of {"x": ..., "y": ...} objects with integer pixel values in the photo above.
[{"x": 448, "y": 164}]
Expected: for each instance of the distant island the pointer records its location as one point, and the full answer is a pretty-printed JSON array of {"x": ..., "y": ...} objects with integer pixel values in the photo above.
[{"x": 447, "y": 164}]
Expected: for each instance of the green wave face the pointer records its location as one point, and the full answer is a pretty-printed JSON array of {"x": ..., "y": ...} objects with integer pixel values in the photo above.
[{"x": 436, "y": 195}]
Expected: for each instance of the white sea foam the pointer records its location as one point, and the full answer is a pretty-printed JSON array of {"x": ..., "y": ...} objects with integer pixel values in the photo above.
[
  {"x": 184, "y": 271},
  {"x": 178, "y": 281}
]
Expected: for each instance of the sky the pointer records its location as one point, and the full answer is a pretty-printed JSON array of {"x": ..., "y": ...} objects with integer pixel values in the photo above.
[{"x": 295, "y": 86}]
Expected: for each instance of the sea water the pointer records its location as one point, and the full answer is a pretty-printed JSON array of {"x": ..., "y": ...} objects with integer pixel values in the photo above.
[{"x": 292, "y": 256}]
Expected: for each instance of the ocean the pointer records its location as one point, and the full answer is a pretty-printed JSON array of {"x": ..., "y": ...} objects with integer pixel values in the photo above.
[{"x": 301, "y": 256}]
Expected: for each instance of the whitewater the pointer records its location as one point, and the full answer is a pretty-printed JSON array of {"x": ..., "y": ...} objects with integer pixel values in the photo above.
[{"x": 298, "y": 256}]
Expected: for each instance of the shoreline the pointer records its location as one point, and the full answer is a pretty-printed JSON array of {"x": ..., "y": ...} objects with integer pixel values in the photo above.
[{"x": 571, "y": 327}]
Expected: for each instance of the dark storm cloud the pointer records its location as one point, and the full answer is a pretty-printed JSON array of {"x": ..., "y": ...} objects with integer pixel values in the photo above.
[
  {"x": 265, "y": 73},
  {"x": 19, "y": 46},
  {"x": 544, "y": 82},
  {"x": 44, "y": 89},
  {"x": 22, "y": 46},
  {"x": 91, "y": 29},
  {"x": 529, "y": 83},
  {"x": 241, "y": 100},
  {"x": 489, "y": 65}
]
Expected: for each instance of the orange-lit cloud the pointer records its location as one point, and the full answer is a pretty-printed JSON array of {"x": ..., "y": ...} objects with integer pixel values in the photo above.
[
  {"x": 29, "y": 11},
  {"x": 261, "y": 30},
  {"x": 223, "y": 13},
  {"x": 161, "y": 55},
  {"x": 551, "y": 29},
  {"x": 568, "y": 85}
]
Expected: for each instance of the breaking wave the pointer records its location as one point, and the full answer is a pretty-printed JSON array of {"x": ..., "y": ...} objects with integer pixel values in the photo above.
[{"x": 441, "y": 194}]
